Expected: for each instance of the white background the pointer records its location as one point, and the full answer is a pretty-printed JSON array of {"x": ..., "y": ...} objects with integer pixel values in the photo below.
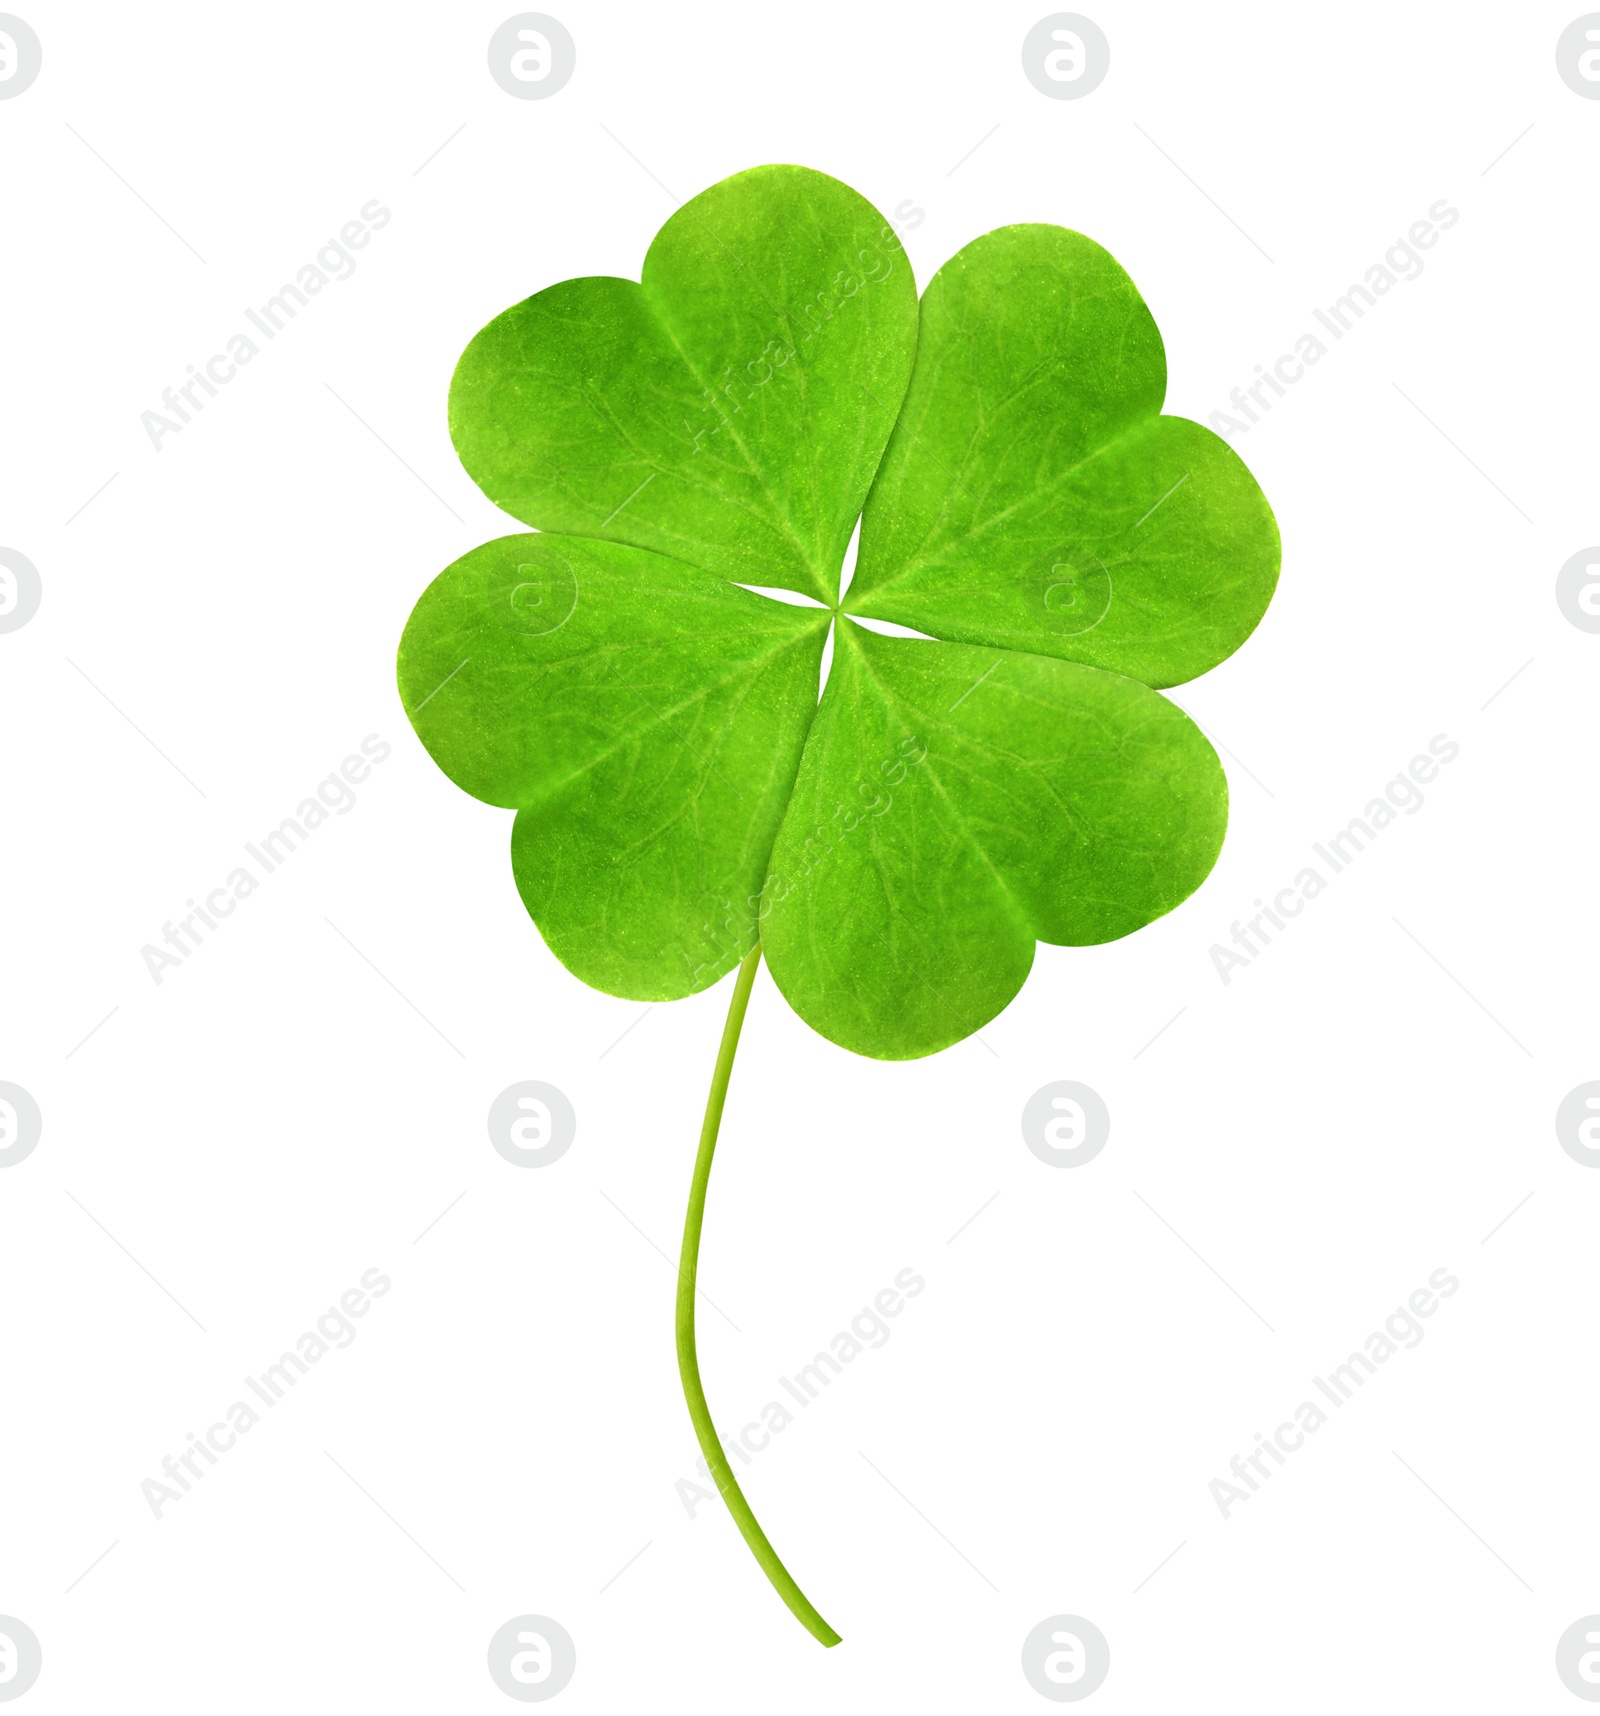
[{"x": 275, "y": 1118}]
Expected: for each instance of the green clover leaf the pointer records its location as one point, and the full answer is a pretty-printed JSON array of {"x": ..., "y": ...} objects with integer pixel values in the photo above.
[{"x": 898, "y": 846}]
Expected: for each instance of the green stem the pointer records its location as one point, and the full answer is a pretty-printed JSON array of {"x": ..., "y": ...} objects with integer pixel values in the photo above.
[{"x": 688, "y": 1363}]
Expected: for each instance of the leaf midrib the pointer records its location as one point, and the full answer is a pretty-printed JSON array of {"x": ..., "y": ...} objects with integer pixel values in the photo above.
[
  {"x": 974, "y": 533},
  {"x": 663, "y": 718}
]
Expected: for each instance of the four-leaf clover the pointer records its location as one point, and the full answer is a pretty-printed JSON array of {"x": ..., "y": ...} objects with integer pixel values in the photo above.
[{"x": 990, "y": 763}]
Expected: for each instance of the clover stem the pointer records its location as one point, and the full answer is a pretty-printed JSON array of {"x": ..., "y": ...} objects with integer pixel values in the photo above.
[{"x": 688, "y": 1363}]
